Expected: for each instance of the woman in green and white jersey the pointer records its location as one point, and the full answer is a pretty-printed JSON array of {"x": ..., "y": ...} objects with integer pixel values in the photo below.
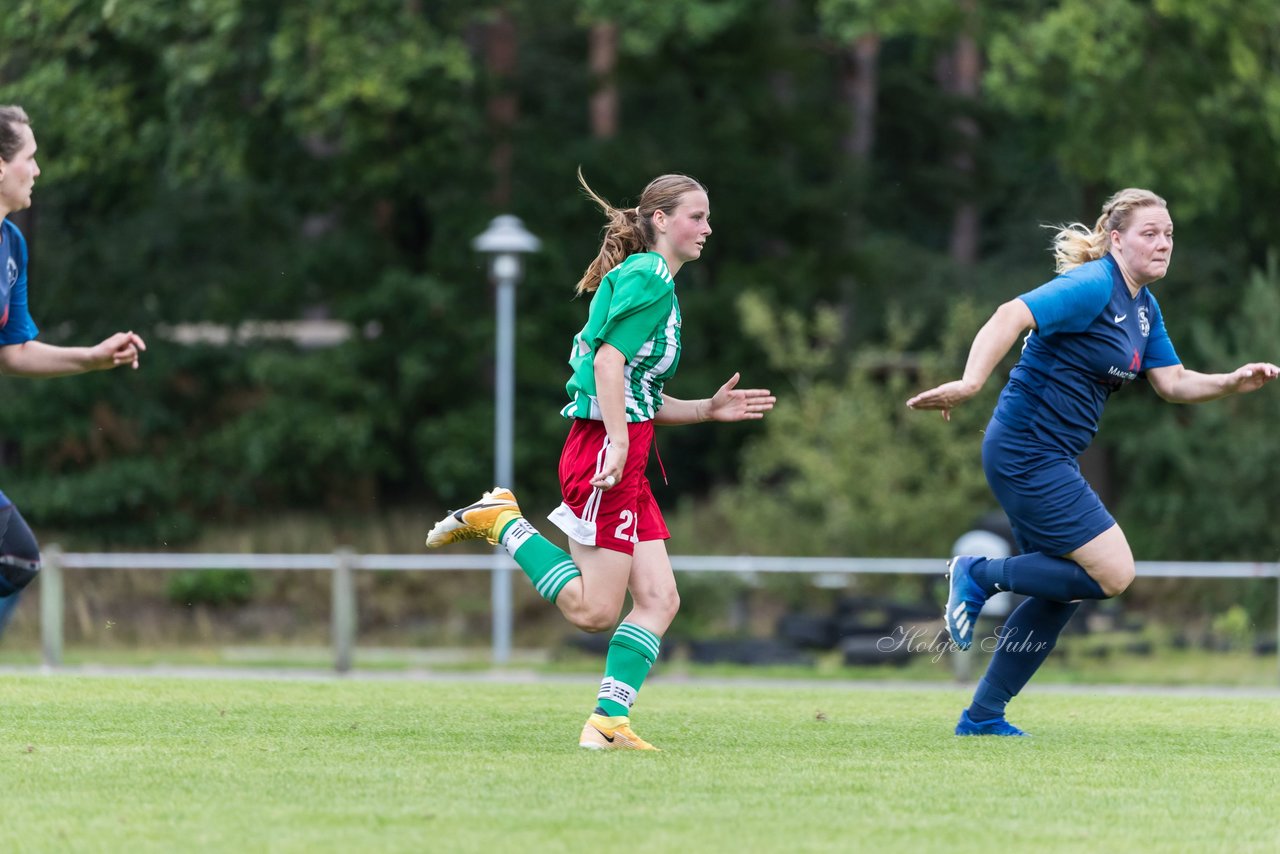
[{"x": 621, "y": 361}]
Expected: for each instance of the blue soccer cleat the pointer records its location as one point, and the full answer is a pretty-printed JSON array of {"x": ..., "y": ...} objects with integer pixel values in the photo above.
[
  {"x": 997, "y": 726},
  {"x": 965, "y": 601}
]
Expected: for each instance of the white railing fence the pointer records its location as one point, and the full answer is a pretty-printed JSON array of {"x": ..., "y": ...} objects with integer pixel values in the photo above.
[{"x": 343, "y": 563}]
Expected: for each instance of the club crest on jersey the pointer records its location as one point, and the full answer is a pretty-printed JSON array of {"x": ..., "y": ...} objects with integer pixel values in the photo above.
[
  {"x": 1144, "y": 322},
  {"x": 13, "y": 271}
]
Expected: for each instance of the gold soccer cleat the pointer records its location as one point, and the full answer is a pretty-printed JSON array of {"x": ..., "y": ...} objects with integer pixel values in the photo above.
[
  {"x": 482, "y": 520},
  {"x": 602, "y": 733}
]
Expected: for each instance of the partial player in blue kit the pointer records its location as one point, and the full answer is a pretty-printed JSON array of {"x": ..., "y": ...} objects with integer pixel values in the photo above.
[
  {"x": 1094, "y": 328},
  {"x": 20, "y": 354}
]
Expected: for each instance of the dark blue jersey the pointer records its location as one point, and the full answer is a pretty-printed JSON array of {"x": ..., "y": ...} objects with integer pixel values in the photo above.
[
  {"x": 1092, "y": 337},
  {"x": 16, "y": 325}
]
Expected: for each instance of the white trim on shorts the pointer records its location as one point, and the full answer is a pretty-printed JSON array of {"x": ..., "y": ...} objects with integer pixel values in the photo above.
[
  {"x": 582, "y": 529},
  {"x": 579, "y": 530}
]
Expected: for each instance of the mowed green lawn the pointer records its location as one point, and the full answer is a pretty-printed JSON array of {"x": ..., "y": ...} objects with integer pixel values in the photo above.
[{"x": 154, "y": 764}]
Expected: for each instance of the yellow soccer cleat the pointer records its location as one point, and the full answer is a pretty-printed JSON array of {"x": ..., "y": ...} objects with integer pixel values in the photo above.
[
  {"x": 602, "y": 733},
  {"x": 482, "y": 520}
]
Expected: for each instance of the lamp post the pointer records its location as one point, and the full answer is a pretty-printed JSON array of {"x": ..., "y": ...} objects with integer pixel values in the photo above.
[{"x": 504, "y": 242}]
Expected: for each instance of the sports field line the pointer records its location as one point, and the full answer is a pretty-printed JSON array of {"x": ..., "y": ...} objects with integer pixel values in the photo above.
[{"x": 527, "y": 677}]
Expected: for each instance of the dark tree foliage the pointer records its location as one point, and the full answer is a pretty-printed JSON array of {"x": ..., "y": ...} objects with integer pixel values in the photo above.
[{"x": 228, "y": 162}]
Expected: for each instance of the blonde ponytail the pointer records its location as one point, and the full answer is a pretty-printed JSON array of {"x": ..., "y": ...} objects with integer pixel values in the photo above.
[
  {"x": 1076, "y": 244},
  {"x": 623, "y": 236}
]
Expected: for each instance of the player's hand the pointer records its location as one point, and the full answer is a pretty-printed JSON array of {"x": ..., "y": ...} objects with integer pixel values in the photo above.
[
  {"x": 1252, "y": 376},
  {"x": 945, "y": 397},
  {"x": 615, "y": 459},
  {"x": 731, "y": 403},
  {"x": 123, "y": 348}
]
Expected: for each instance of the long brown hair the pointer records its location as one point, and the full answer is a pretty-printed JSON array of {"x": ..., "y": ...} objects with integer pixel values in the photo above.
[
  {"x": 631, "y": 230},
  {"x": 1075, "y": 244}
]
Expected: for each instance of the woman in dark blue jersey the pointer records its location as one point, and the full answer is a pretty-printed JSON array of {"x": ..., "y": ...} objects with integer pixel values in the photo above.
[
  {"x": 1094, "y": 328},
  {"x": 20, "y": 354}
]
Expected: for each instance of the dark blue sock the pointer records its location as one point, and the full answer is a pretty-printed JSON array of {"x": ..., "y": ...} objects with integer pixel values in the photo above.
[
  {"x": 988, "y": 572},
  {"x": 1037, "y": 574},
  {"x": 1026, "y": 640}
]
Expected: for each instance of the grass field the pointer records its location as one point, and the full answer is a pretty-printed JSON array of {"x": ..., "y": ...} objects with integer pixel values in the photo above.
[
  {"x": 152, "y": 764},
  {"x": 1071, "y": 663}
]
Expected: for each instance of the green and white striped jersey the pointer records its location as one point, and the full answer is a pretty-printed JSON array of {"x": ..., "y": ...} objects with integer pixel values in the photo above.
[{"x": 636, "y": 311}]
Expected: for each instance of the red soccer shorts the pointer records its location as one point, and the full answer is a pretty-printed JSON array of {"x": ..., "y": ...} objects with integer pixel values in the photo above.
[{"x": 615, "y": 518}]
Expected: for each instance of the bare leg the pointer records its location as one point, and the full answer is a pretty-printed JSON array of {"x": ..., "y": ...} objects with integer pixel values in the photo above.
[
  {"x": 654, "y": 597},
  {"x": 635, "y": 646},
  {"x": 593, "y": 601},
  {"x": 1108, "y": 560}
]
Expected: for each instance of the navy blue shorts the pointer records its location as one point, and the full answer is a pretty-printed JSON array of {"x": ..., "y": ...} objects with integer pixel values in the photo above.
[
  {"x": 19, "y": 553},
  {"x": 1052, "y": 508}
]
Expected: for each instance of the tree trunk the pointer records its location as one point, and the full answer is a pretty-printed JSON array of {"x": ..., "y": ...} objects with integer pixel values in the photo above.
[
  {"x": 859, "y": 86},
  {"x": 603, "y": 57},
  {"x": 503, "y": 108},
  {"x": 782, "y": 79},
  {"x": 961, "y": 76},
  {"x": 782, "y": 86}
]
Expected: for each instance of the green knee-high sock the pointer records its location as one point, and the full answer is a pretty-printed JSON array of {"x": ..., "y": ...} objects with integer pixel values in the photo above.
[
  {"x": 549, "y": 567},
  {"x": 632, "y": 651}
]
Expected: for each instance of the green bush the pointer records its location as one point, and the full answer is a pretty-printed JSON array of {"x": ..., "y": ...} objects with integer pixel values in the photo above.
[
  {"x": 214, "y": 587},
  {"x": 843, "y": 466}
]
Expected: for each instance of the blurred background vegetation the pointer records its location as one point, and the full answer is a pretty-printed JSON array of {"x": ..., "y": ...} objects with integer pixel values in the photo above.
[{"x": 880, "y": 172}]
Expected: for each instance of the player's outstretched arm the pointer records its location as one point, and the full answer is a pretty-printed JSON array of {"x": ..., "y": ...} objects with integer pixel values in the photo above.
[
  {"x": 1176, "y": 384},
  {"x": 990, "y": 345},
  {"x": 729, "y": 403},
  {"x": 39, "y": 360}
]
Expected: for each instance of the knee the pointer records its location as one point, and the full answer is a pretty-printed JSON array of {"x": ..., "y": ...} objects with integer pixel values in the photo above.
[
  {"x": 1116, "y": 581},
  {"x": 596, "y": 619},
  {"x": 659, "y": 602},
  {"x": 670, "y": 603}
]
